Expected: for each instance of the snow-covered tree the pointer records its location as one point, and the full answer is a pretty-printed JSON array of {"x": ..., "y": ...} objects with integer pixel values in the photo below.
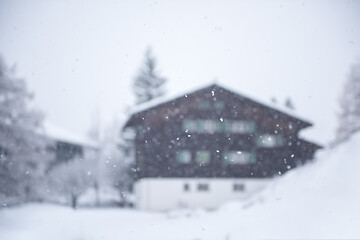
[
  {"x": 95, "y": 128},
  {"x": 349, "y": 118},
  {"x": 72, "y": 178},
  {"x": 21, "y": 147},
  {"x": 117, "y": 160},
  {"x": 94, "y": 135},
  {"x": 148, "y": 84}
]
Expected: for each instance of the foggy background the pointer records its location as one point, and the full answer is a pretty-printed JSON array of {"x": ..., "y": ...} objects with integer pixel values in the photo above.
[{"x": 80, "y": 57}]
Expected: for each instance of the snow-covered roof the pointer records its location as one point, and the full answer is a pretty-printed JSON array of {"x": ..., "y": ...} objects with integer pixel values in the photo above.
[
  {"x": 166, "y": 98},
  {"x": 57, "y": 133}
]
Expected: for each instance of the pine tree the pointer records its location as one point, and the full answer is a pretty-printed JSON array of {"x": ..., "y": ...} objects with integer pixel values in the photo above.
[
  {"x": 349, "y": 119},
  {"x": 148, "y": 84},
  {"x": 21, "y": 147}
]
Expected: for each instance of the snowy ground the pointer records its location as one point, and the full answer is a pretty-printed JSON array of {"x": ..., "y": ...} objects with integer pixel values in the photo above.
[{"x": 318, "y": 201}]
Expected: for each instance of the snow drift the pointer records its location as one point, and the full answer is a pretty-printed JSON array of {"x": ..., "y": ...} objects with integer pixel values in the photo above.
[{"x": 319, "y": 200}]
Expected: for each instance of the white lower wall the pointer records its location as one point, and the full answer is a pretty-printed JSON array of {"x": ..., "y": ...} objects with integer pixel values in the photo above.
[{"x": 168, "y": 193}]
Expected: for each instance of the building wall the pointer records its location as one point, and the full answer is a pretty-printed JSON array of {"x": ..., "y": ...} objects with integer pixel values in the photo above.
[
  {"x": 161, "y": 194},
  {"x": 223, "y": 126},
  {"x": 214, "y": 137}
]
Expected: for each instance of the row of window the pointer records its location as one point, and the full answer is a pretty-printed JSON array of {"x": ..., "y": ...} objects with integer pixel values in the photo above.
[
  {"x": 240, "y": 127},
  {"x": 204, "y": 187},
  {"x": 210, "y": 126},
  {"x": 270, "y": 140},
  {"x": 239, "y": 157},
  {"x": 218, "y": 105},
  {"x": 217, "y": 126},
  {"x": 203, "y": 157}
]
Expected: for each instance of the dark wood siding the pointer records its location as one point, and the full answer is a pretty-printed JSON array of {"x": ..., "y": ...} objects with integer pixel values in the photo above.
[{"x": 160, "y": 137}]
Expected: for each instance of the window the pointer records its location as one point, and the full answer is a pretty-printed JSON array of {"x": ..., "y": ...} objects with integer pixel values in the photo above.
[
  {"x": 67, "y": 151},
  {"x": 238, "y": 187},
  {"x": 186, "y": 187},
  {"x": 204, "y": 105},
  {"x": 190, "y": 125},
  {"x": 241, "y": 127},
  {"x": 203, "y": 187},
  {"x": 218, "y": 125},
  {"x": 219, "y": 105},
  {"x": 269, "y": 141},
  {"x": 227, "y": 125},
  {"x": 203, "y": 157},
  {"x": 239, "y": 157},
  {"x": 183, "y": 156},
  {"x": 209, "y": 126}
]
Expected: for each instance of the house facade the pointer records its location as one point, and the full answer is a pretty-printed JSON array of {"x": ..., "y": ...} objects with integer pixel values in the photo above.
[
  {"x": 64, "y": 146},
  {"x": 210, "y": 146}
]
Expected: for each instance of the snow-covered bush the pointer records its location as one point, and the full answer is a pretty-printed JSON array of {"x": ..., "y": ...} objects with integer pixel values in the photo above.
[
  {"x": 71, "y": 179},
  {"x": 117, "y": 161}
]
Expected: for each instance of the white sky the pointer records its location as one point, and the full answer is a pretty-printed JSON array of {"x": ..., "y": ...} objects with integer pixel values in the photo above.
[{"x": 79, "y": 56}]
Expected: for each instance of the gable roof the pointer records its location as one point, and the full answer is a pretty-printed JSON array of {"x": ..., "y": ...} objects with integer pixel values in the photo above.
[{"x": 141, "y": 109}]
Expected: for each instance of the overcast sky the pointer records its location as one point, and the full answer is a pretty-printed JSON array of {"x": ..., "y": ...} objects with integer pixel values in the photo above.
[{"x": 80, "y": 56}]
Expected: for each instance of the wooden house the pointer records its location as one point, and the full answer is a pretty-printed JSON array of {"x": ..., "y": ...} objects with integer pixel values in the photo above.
[{"x": 210, "y": 146}]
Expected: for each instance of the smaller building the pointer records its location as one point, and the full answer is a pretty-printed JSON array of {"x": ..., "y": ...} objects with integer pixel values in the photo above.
[{"x": 64, "y": 145}]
